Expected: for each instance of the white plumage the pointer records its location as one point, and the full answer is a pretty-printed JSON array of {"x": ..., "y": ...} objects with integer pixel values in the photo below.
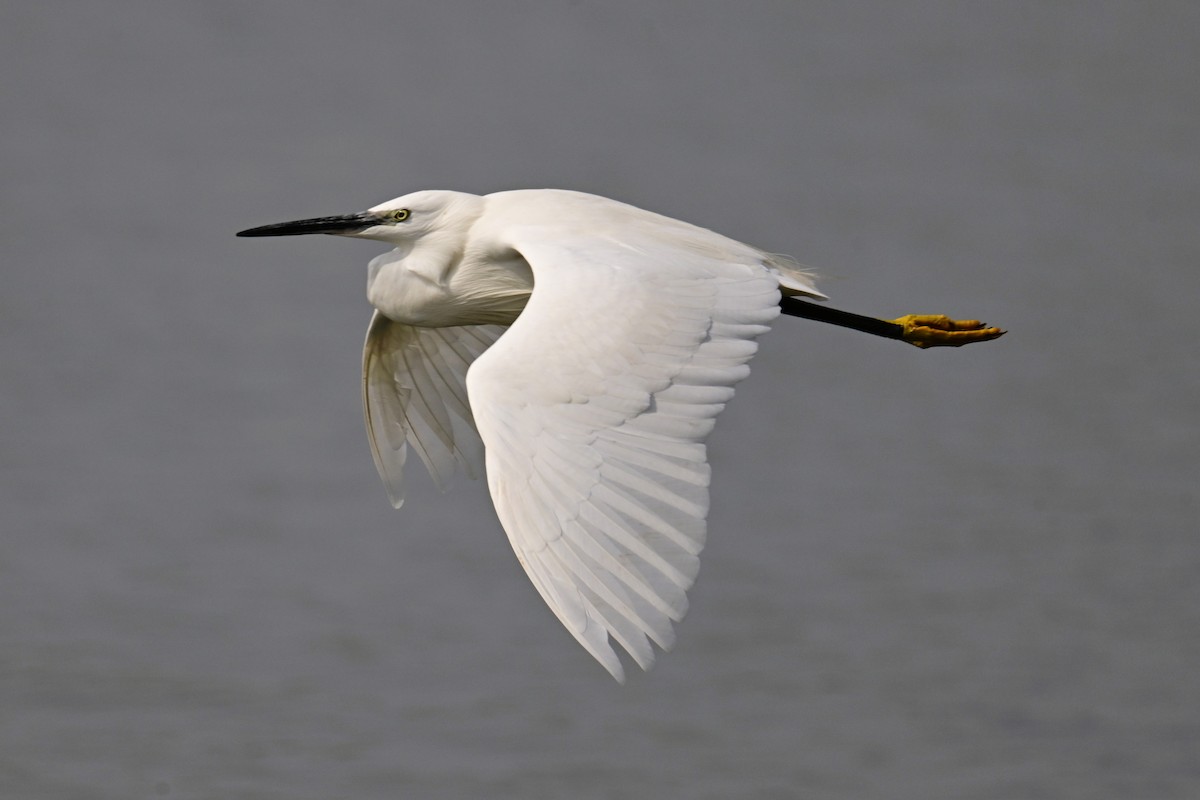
[{"x": 626, "y": 333}]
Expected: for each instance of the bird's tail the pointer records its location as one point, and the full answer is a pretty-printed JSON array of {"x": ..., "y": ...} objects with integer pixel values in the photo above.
[{"x": 794, "y": 278}]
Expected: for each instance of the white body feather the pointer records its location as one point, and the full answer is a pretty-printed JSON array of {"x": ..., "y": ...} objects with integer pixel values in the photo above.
[{"x": 628, "y": 333}]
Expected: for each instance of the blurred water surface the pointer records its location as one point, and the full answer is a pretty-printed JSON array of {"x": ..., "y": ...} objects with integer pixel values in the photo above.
[{"x": 964, "y": 574}]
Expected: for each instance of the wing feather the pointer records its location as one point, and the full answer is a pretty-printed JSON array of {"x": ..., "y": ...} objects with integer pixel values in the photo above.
[
  {"x": 414, "y": 393},
  {"x": 594, "y": 408}
]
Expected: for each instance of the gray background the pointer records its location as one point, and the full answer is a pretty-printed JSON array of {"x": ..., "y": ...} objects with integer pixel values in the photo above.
[{"x": 967, "y": 574}]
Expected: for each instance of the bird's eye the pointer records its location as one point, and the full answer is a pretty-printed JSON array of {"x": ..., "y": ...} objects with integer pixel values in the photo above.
[{"x": 399, "y": 215}]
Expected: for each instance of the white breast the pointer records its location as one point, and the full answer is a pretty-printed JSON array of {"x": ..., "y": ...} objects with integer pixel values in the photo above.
[{"x": 417, "y": 289}]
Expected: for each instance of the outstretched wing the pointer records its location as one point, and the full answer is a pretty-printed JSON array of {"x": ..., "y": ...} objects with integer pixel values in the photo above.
[
  {"x": 594, "y": 408},
  {"x": 414, "y": 392}
]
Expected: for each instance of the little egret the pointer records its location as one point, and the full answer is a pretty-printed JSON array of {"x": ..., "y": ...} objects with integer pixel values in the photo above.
[{"x": 590, "y": 345}]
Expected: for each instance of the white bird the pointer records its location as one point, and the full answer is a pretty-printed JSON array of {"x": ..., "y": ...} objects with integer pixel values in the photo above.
[{"x": 591, "y": 345}]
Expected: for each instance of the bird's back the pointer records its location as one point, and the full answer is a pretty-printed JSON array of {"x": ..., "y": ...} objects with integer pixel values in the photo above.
[{"x": 652, "y": 235}]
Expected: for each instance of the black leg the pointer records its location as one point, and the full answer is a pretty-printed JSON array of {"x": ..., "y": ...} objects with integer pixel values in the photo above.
[{"x": 794, "y": 306}]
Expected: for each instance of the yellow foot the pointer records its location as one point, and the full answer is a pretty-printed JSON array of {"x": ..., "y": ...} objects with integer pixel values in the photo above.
[{"x": 938, "y": 330}]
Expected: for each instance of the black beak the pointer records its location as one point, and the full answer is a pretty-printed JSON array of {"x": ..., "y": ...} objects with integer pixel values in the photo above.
[{"x": 346, "y": 223}]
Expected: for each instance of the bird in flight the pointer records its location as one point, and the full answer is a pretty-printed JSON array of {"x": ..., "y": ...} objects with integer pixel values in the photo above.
[{"x": 580, "y": 349}]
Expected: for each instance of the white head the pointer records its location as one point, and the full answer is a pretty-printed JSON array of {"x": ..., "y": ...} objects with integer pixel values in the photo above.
[{"x": 402, "y": 220}]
